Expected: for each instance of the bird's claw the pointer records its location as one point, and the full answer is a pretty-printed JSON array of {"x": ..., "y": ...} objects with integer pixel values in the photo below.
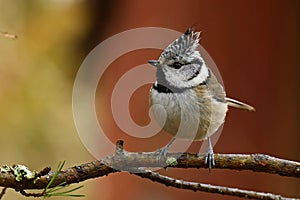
[
  {"x": 162, "y": 152},
  {"x": 209, "y": 159},
  {"x": 209, "y": 156}
]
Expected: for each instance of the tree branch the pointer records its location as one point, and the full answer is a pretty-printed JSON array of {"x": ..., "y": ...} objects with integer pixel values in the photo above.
[
  {"x": 156, "y": 177},
  {"x": 134, "y": 162}
]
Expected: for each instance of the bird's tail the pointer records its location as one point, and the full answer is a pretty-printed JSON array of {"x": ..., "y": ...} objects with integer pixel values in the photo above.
[{"x": 238, "y": 104}]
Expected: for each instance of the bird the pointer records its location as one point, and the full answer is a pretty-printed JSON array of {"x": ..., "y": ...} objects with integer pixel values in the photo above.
[{"x": 192, "y": 102}]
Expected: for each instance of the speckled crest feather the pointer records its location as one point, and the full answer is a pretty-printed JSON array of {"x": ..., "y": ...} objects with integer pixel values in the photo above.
[{"x": 184, "y": 46}]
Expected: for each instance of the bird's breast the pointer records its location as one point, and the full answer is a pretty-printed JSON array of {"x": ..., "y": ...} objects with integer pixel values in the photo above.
[{"x": 189, "y": 114}]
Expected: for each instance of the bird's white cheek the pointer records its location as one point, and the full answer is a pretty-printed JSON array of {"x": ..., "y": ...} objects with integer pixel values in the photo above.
[{"x": 201, "y": 78}]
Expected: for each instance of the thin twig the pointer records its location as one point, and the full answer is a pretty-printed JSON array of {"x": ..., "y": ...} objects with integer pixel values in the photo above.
[
  {"x": 8, "y": 35},
  {"x": 28, "y": 194},
  {"x": 43, "y": 172},
  {"x": 3, "y": 192},
  {"x": 168, "y": 181}
]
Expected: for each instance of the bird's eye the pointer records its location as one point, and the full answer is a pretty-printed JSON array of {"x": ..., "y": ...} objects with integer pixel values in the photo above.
[{"x": 177, "y": 65}]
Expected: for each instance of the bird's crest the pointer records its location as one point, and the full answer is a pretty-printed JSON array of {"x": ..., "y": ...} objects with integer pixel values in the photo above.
[{"x": 184, "y": 46}]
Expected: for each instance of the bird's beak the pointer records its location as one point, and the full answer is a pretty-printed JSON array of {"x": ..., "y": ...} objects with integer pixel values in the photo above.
[{"x": 153, "y": 62}]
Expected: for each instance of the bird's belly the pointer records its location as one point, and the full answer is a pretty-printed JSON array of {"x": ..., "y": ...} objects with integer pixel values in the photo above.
[{"x": 187, "y": 116}]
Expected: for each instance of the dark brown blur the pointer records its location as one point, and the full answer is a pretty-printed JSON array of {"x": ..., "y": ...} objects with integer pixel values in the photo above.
[{"x": 254, "y": 43}]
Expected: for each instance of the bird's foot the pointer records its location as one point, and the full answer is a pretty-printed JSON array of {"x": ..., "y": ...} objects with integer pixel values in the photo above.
[
  {"x": 209, "y": 156},
  {"x": 162, "y": 152},
  {"x": 209, "y": 159}
]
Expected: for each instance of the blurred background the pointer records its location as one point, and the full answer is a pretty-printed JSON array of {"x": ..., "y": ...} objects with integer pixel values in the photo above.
[{"x": 255, "y": 45}]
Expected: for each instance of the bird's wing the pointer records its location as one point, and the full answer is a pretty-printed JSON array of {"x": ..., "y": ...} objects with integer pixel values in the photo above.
[
  {"x": 215, "y": 89},
  {"x": 218, "y": 92}
]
